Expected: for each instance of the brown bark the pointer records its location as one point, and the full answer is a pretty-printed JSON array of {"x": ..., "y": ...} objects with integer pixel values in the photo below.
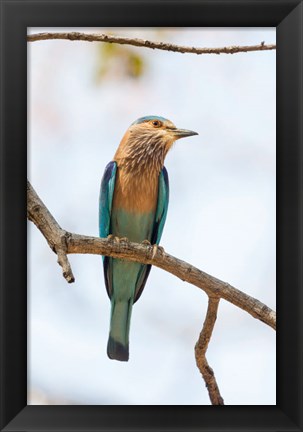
[
  {"x": 201, "y": 348},
  {"x": 97, "y": 37}
]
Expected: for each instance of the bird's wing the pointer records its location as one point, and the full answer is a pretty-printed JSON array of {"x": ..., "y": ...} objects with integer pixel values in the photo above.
[
  {"x": 161, "y": 212},
  {"x": 106, "y": 198},
  {"x": 162, "y": 206},
  {"x": 105, "y": 208}
]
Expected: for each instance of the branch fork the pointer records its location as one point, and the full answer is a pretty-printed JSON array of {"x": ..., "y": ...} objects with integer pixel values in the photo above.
[{"x": 61, "y": 250}]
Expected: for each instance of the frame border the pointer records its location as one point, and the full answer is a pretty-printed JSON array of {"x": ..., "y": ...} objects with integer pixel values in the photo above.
[{"x": 16, "y": 16}]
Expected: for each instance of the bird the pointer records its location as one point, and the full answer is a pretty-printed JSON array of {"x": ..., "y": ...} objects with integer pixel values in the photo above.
[{"x": 133, "y": 204}]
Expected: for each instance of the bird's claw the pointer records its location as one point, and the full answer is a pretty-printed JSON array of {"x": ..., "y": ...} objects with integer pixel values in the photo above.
[
  {"x": 161, "y": 249},
  {"x": 116, "y": 239},
  {"x": 124, "y": 239},
  {"x": 157, "y": 248}
]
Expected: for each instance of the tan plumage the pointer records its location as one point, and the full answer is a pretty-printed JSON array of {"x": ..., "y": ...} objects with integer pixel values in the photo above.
[
  {"x": 135, "y": 194},
  {"x": 140, "y": 158}
]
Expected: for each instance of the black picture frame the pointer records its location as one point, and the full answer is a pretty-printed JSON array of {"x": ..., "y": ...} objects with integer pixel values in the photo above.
[{"x": 16, "y": 16}]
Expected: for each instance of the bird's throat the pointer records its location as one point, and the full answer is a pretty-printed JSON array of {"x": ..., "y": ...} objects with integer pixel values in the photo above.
[{"x": 139, "y": 164}]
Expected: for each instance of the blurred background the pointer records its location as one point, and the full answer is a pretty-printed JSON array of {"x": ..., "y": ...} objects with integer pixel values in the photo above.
[{"x": 81, "y": 98}]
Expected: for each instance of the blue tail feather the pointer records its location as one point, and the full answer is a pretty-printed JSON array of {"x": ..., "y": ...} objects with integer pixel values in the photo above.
[
  {"x": 117, "y": 351},
  {"x": 118, "y": 345}
]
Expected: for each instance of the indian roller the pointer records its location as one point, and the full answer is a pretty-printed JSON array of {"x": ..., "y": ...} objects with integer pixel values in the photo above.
[{"x": 133, "y": 205}]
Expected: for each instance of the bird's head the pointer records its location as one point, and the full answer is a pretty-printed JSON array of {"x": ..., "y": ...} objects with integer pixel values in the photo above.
[
  {"x": 157, "y": 129},
  {"x": 149, "y": 137}
]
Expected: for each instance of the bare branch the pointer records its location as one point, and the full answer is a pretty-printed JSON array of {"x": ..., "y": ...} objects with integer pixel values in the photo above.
[
  {"x": 201, "y": 348},
  {"x": 95, "y": 37},
  {"x": 75, "y": 243},
  {"x": 51, "y": 230}
]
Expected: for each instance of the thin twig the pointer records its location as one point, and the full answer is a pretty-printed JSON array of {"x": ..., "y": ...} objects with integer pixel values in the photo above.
[
  {"x": 95, "y": 37},
  {"x": 56, "y": 236},
  {"x": 201, "y": 348}
]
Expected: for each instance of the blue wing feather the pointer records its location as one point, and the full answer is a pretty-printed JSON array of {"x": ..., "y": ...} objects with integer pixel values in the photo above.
[
  {"x": 162, "y": 206},
  {"x": 106, "y": 198},
  {"x": 161, "y": 212},
  {"x": 105, "y": 207}
]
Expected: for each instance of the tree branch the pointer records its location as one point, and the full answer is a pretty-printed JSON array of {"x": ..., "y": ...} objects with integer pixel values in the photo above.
[
  {"x": 51, "y": 230},
  {"x": 95, "y": 37},
  {"x": 201, "y": 348},
  {"x": 70, "y": 243},
  {"x": 63, "y": 243}
]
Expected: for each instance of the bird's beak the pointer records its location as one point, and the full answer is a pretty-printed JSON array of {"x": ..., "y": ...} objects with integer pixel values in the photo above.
[{"x": 182, "y": 133}]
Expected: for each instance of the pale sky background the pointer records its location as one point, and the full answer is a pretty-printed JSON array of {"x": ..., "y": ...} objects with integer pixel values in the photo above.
[{"x": 221, "y": 218}]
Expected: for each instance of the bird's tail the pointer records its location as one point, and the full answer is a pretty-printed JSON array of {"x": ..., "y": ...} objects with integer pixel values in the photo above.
[{"x": 117, "y": 346}]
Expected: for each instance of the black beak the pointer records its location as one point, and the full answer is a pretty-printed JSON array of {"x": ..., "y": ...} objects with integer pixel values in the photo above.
[{"x": 182, "y": 133}]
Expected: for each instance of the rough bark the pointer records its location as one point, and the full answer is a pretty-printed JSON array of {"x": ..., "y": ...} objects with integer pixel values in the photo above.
[
  {"x": 96, "y": 37},
  {"x": 201, "y": 348}
]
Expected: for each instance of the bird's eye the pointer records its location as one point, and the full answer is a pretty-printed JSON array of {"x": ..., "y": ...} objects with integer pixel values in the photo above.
[{"x": 157, "y": 123}]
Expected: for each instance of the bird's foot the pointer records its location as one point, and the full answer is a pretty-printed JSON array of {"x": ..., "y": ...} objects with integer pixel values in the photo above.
[
  {"x": 124, "y": 239},
  {"x": 161, "y": 249},
  {"x": 157, "y": 248},
  {"x": 116, "y": 239}
]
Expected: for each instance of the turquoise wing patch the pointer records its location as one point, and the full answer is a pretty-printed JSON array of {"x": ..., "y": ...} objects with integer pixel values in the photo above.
[
  {"x": 106, "y": 198},
  {"x": 162, "y": 206},
  {"x": 105, "y": 208}
]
